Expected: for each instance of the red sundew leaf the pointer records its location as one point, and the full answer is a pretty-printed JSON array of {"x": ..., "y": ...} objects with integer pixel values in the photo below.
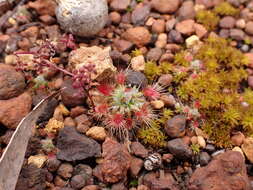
[
  {"x": 105, "y": 89},
  {"x": 196, "y": 124},
  {"x": 186, "y": 109},
  {"x": 51, "y": 155},
  {"x": 197, "y": 104},
  {"x": 117, "y": 120},
  {"x": 151, "y": 93},
  {"x": 102, "y": 109},
  {"x": 120, "y": 78},
  {"x": 129, "y": 123}
]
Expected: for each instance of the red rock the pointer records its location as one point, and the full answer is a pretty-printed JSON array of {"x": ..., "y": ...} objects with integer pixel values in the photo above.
[
  {"x": 154, "y": 54},
  {"x": 185, "y": 27},
  {"x": 200, "y": 30},
  {"x": 70, "y": 96},
  {"x": 123, "y": 45},
  {"x": 76, "y": 111},
  {"x": 115, "y": 164},
  {"x": 227, "y": 22},
  {"x": 118, "y": 186},
  {"x": 186, "y": 11},
  {"x": 115, "y": 17},
  {"x": 12, "y": 83},
  {"x": 65, "y": 170},
  {"x": 24, "y": 44},
  {"x": 165, "y": 6},
  {"x": 165, "y": 80},
  {"x": 31, "y": 32},
  {"x": 91, "y": 187},
  {"x": 140, "y": 13},
  {"x": 120, "y": 5},
  {"x": 158, "y": 26},
  {"x": 4, "y": 6},
  {"x": 154, "y": 182},
  {"x": 83, "y": 123},
  {"x": 206, "y": 3},
  {"x": 140, "y": 36},
  {"x": 237, "y": 34},
  {"x": 249, "y": 28},
  {"x": 47, "y": 19},
  {"x": 175, "y": 127},
  {"x": 13, "y": 110},
  {"x": 250, "y": 58},
  {"x": 250, "y": 81},
  {"x": 4, "y": 37},
  {"x": 139, "y": 150},
  {"x": 43, "y": 7},
  {"x": 226, "y": 171},
  {"x": 237, "y": 139},
  {"x": 136, "y": 165}
]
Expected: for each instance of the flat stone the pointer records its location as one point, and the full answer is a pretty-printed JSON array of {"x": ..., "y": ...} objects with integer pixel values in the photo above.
[{"x": 74, "y": 146}]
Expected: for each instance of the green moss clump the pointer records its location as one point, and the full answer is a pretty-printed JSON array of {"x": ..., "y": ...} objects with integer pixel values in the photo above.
[
  {"x": 208, "y": 18},
  {"x": 216, "y": 87},
  {"x": 136, "y": 52},
  {"x": 226, "y": 9},
  {"x": 152, "y": 135},
  {"x": 152, "y": 70}
]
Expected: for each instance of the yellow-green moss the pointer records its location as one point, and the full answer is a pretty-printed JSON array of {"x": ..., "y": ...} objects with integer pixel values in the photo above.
[
  {"x": 152, "y": 136},
  {"x": 136, "y": 52},
  {"x": 226, "y": 9},
  {"x": 152, "y": 70},
  {"x": 208, "y": 18},
  {"x": 217, "y": 90}
]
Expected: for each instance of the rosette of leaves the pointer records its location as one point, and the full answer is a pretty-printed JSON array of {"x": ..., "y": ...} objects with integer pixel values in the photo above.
[{"x": 125, "y": 107}]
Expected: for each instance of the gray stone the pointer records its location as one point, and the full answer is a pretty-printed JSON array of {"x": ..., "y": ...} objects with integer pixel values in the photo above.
[
  {"x": 179, "y": 149},
  {"x": 204, "y": 158},
  {"x": 82, "y": 18},
  {"x": 74, "y": 146},
  {"x": 136, "y": 78}
]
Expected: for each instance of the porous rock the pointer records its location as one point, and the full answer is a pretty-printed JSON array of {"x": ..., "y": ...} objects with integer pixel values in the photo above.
[
  {"x": 115, "y": 164},
  {"x": 82, "y": 18},
  {"x": 93, "y": 55},
  {"x": 226, "y": 171}
]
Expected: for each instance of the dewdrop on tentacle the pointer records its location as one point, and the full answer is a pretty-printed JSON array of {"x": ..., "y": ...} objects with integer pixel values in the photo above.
[{"x": 82, "y": 17}]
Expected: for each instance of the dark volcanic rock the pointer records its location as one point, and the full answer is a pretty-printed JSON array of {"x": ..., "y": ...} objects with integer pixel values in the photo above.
[
  {"x": 70, "y": 96},
  {"x": 49, "y": 111},
  {"x": 31, "y": 178},
  {"x": 136, "y": 78},
  {"x": 179, "y": 149},
  {"x": 74, "y": 146},
  {"x": 140, "y": 14},
  {"x": 226, "y": 172}
]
